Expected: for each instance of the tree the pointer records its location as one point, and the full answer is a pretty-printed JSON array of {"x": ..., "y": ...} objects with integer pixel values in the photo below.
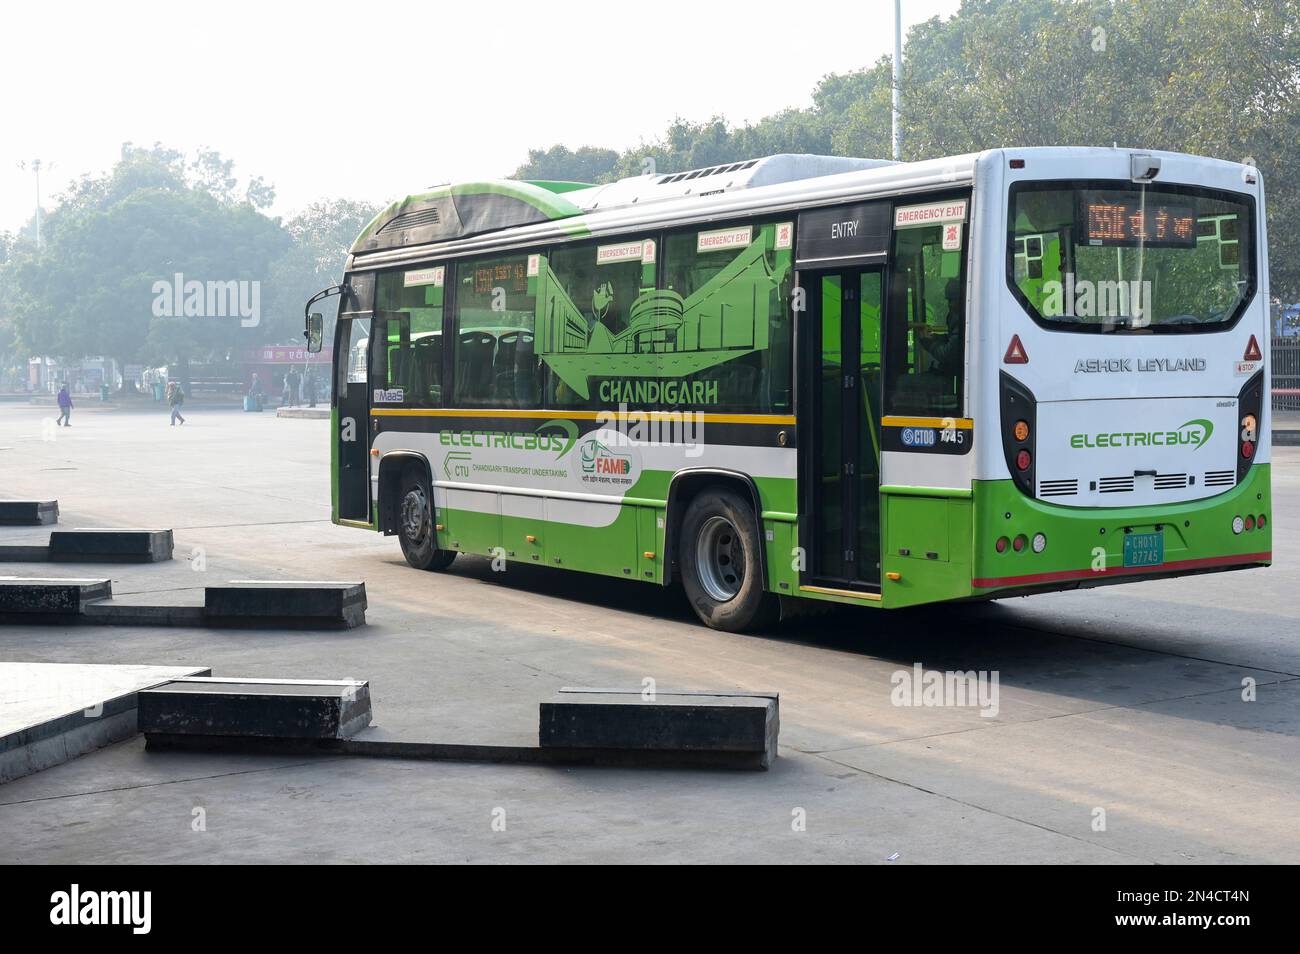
[
  {"x": 92, "y": 289},
  {"x": 559, "y": 163},
  {"x": 320, "y": 237}
]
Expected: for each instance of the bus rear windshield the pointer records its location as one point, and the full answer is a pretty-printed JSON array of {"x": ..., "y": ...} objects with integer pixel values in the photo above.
[{"x": 1107, "y": 256}]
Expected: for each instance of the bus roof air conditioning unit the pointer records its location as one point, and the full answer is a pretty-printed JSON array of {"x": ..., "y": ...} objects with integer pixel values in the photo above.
[{"x": 724, "y": 177}]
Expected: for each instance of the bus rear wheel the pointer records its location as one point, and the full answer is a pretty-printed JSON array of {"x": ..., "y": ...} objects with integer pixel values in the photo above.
[
  {"x": 721, "y": 563},
  {"x": 415, "y": 526}
]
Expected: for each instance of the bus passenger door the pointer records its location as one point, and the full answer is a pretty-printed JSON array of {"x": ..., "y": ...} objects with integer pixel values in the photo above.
[
  {"x": 351, "y": 440},
  {"x": 844, "y": 460}
]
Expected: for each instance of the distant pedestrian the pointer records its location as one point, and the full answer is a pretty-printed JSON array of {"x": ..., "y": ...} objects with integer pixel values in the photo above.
[
  {"x": 293, "y": 382},
  {"x": 175, "y": 398},
  {"x": 255, "y": 391},
  {"x": 309, "y": 388},
  {"x": 65, "y": 407}
]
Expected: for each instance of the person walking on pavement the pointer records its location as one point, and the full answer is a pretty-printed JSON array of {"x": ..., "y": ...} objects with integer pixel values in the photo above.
[
  {"x": 293, "y": 381},
  {"x": 255, "y": 391},
  {"x": 309, "y": 388},
  {"x": 65, "y": 407},
  {"x": 175, "y": 398}
]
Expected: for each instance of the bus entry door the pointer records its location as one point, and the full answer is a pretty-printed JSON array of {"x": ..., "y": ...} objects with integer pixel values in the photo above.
[
  {"x": 845, "y": 307},
  {"x": 351, "y": 440}
]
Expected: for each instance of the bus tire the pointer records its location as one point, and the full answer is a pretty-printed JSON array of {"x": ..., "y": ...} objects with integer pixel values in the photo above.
[
  {"x": 415, "y": 526},
  {"x": 722, "y": 567}
]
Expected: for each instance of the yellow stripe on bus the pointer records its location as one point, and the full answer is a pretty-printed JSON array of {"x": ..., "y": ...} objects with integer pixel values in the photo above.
[
  {"x": 961, "y": 423},
  {"x": 783, "y": 419}
]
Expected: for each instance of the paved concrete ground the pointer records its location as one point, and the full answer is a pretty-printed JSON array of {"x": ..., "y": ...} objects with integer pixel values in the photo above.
[{"x": 1126, "y": 699}]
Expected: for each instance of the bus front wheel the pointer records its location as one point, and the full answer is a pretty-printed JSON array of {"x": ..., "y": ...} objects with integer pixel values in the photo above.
[
  {"x": 415, "y": 527},
  {"x": 721, "y": 564}
]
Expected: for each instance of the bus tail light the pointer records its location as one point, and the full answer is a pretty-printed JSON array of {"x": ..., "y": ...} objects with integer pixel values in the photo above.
[
  {"x": 1250, "y": 402},
  {"x": 1039, "y": 543},
  {"x": 1002, "y": 544},
  {"x": 1238, "y": 525},
  {"x": 1250, "y": 521},
  {"x": 1019, "y": 423},
  {"x": 1019, "y": 543},
  {"x": 1261, "y": 521}
]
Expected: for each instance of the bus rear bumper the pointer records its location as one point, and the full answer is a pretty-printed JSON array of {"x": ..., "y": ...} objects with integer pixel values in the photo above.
[{"x": 1086, "y": 547}]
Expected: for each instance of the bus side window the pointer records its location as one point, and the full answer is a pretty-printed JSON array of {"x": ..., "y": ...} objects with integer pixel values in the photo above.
[
  {"x": 734, "y": 285},
  {"x": 594, "y": 291},
  {"x": 408, "y": 337},
  {"x": 926, "y": 340},
  {"x": 496, "y": 363}
]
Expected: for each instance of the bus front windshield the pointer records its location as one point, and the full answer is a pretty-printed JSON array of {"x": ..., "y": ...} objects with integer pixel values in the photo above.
[{"x": 1118, "y": 257}]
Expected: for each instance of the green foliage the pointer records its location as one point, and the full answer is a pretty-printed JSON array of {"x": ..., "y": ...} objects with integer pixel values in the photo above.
[
  {"x": 91, "y": 289},
  {"x": 559, "y": 163},
  {"x": 319, "y": 236}
]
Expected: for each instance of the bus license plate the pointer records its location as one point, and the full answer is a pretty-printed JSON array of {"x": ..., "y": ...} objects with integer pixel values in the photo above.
[{"x": 1144, "y": 549}]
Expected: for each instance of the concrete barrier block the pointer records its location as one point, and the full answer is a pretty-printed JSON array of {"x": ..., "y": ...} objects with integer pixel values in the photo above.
[
  {"x": 28, "y": 513},
  {"x": 111, "y": 545},
  {"x": 49, "y": 597},
  {"x": 293, "y": 602},
  {"x": 254, "y": 708},
  {"x": 726, "y": 729}
]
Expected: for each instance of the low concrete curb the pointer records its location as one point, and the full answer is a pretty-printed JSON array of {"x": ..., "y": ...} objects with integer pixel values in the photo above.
[
  {"x": 583, "y": 727},
  {"x": 28, "y": 513},
  {"x": 730, "y": 727},
  {"x": 108, "y": 545},
  {"x": 256, "y": 708},
  {"x": 306, "y": 413},
  {"x": 271, "y": 604}
]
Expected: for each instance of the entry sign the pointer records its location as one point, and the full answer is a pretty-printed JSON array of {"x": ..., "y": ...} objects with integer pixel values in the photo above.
[{"x": 843, "y": 232}]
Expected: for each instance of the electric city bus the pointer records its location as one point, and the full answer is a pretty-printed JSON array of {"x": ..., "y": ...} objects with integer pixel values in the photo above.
[{"x": 806, "y": 377}]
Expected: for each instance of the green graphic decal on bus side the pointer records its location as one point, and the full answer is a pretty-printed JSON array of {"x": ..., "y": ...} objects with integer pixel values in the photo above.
[
  {"x": 1195, "y": 432},
  {"x": 631, "y": 546},
  {"x": 667, "y": 337},
  {"x": 570, "y": 430}
]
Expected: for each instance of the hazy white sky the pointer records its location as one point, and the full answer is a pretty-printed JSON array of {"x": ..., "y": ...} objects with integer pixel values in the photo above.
[{"x": 375, "y": 99}]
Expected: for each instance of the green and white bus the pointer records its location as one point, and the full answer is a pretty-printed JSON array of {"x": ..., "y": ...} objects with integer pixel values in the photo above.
[{"x": 806, "y": 377}]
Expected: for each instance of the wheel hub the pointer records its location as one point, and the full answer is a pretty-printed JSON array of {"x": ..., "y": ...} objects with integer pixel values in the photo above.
[
  {"x": 720, "y": 557},
  {"x": 415, "y": 515}
]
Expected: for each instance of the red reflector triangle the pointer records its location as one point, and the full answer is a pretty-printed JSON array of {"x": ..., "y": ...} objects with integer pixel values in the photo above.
[
  {"x": 1015, "y": 352},
  {"x": 1252, "y": 351}
]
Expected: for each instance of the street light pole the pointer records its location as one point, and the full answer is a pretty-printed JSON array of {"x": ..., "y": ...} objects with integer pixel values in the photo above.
[
  {"x": 898, "y": 77},
  {"x": 35, "y": 166}
]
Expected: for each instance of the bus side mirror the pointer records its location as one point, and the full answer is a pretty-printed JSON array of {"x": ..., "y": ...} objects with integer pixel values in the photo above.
[{"x": 314, "y": 332}]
